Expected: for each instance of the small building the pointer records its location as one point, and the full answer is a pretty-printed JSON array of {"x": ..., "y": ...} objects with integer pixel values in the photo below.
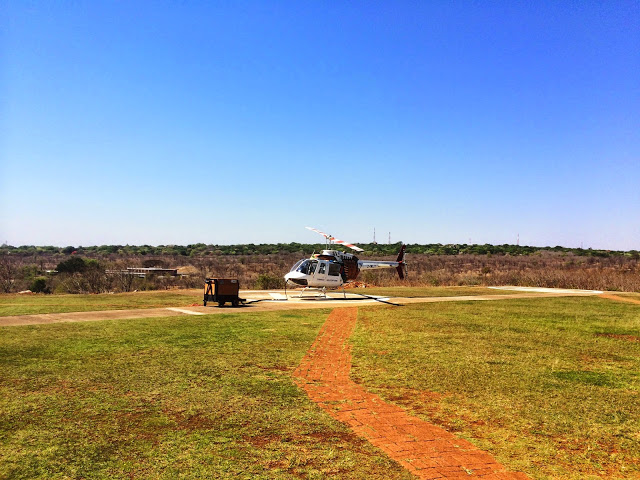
[{"x": 143, "y": 272}]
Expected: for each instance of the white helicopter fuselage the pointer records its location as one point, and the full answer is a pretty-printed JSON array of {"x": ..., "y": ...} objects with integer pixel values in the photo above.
[
  {"x": 325, "y": 272},
  {"x": 315, "y": 280}
]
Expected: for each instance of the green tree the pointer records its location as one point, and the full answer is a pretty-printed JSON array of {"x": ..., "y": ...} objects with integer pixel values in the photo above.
[
  {"x": 72, "y": 265},
  {"x": 39, "y": 285}
]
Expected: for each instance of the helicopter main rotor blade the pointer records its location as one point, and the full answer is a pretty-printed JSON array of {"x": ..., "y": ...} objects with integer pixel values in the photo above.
[
  {"x": 325, "y": 235},
  {"x": 336, "y": 240}
]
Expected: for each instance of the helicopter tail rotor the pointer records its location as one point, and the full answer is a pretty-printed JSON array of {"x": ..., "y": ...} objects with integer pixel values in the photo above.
[{"x": 402, "y": 266}]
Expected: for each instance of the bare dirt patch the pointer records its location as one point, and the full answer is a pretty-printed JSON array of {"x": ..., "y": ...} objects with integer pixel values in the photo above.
[{"x": 619, "y": 336}]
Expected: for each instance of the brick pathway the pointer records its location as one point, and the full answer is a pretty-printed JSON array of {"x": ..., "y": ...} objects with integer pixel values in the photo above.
[
  {"x": 426, "y": 450},
  {"x": 620, "y": 299}
]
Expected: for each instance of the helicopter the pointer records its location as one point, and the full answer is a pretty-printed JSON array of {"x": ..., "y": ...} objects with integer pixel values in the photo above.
[{"x": 333, "y": 268}]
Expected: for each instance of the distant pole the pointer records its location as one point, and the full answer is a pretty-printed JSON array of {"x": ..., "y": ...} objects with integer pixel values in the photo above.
[
  {"x": 389, "y": 238},
  {"x": 374, "y": 235}
]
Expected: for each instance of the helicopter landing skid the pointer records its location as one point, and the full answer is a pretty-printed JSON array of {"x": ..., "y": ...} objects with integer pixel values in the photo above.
[
  {"x": 320, "y": 289},
  {"x": 323, "y": 290}
]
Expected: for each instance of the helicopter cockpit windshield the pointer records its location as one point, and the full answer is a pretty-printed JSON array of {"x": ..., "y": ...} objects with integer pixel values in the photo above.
[
  {"x": 295, "y": 267},
  {"x": 306, "y": 267}
]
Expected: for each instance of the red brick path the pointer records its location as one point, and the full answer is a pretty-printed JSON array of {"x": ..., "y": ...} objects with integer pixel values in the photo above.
[
  {"x": 426, "y": 450},
  {"x": 620, "y": 299}
]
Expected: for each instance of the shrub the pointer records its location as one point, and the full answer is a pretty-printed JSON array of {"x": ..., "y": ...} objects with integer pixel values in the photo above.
[
  {"x": 266, "y": 281},
  {"x": 39, "y": 285},
  {"x": 72, "y": 265},
  {"x": 154, "y": 263}
]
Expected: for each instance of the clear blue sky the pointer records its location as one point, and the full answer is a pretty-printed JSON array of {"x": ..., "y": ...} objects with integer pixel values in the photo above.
[{"x": 177, "y": 122}]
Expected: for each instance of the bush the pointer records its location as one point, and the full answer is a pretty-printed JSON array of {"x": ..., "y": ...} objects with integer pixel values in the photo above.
[
  {"x": 154, "y": 263},
  {"x": 266, "y": 281},
  {"x": 39, "y": 285},
  {"x": 72, "y": 265}
]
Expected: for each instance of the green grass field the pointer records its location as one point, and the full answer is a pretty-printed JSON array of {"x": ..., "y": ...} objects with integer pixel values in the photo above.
[
  {"x": 550, "y": 386},
  {"x": 14, "y": 304},
  {"x": 178, "y": 397}
]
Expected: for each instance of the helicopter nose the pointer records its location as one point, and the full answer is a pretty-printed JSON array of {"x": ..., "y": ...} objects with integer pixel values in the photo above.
[{"x": 297, "y": 278}]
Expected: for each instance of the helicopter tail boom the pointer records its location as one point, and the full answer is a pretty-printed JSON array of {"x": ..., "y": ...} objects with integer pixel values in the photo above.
[{"x": 399, "y": 264}]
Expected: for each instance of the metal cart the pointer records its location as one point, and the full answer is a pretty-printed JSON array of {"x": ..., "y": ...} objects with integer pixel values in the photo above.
[{"x": 222, "y": 290}]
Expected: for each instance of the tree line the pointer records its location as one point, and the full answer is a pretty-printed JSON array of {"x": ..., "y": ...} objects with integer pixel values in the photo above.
[
  {"x": 375, "y": 249},
  {"x": 103, "y": 268}
]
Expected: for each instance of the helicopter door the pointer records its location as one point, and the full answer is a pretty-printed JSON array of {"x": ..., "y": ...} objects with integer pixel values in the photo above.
[
  {"x": 319, "y": 272},
  {"x": 322, "y": 271}
]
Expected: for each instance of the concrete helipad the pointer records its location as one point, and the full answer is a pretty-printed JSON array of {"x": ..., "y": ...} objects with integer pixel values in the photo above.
[{"x": 258, "y": 301}]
